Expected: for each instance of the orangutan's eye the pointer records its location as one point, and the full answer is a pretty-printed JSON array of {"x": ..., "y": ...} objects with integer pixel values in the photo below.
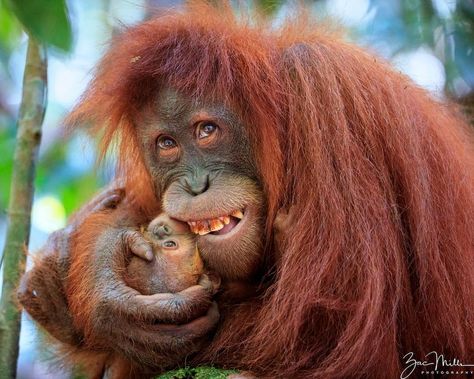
[
  {"x": 205, "y": 130},
  {"x": 166, "y": 143},
  {"x": 169, "y": 244}
]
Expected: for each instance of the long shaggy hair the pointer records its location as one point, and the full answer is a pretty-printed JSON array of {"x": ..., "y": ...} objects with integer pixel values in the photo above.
[{"x": 379, "y": 259}]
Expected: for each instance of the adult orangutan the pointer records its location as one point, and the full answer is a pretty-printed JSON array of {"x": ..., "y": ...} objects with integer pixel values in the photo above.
[{"x": 375, "y": 258}]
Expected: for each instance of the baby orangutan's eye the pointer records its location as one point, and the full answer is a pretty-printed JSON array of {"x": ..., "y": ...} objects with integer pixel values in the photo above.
[{"x": 169, "y": 244}]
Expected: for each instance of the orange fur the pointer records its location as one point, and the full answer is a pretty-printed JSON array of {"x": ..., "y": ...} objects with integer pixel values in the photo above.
[{"x": 380, "y": 258}]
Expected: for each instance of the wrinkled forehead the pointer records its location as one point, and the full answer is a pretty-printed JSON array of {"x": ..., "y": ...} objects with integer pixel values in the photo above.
[{"x": 171, "y": 105}]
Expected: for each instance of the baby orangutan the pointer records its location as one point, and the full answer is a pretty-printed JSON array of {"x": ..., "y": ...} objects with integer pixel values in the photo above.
[{"x": 176, "y": 264}]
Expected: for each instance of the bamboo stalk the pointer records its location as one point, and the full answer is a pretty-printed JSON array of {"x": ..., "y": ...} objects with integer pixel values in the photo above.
[{"x": 30, "y": 119}]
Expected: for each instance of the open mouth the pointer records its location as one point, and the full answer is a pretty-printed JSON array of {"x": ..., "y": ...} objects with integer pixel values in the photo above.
[{"x": 218, "y": 226}]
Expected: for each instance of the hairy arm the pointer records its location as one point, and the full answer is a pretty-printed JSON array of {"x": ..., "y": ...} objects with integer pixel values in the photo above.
[
  {"x": 76, "y": 291},
  {"x": 41, "y": 291},
  {"x": 112, "y": 315}
]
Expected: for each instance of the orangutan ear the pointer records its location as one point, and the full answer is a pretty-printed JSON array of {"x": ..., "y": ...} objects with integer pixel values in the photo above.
[{"x": 281, "y": 227}]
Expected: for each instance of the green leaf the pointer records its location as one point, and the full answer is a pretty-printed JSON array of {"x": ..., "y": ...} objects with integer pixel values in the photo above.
[
  {"x": 203, "y": 372},
  {"x": 10, "y": 29},
  {"x": 45, "y": 20}
]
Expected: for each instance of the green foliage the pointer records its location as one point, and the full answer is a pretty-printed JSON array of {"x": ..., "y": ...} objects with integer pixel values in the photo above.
[
  {"x": 269, "y": 6},
  {"x": 463, "y": 39},
  {"x": 78, "y": 191},
  {"x": 424, "y": 26},
  {"x": 9, "y": 29},
  {"x": 46, "y": 20},
  {"x": 419, "y": 18},
  {"x": 53, "y": 175},
  {"x": 56, "y": 177},
  {"x": 197, "y": 373}
]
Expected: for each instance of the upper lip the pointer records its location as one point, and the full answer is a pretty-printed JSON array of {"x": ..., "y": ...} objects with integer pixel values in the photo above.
[{"x": 205, "y": 226}]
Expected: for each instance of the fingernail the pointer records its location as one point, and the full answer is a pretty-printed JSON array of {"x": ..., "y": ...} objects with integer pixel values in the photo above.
[{"x": 149, "y": 255}]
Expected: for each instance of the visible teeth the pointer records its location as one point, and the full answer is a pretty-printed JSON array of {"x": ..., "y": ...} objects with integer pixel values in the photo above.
[
  {"x": 225, "y": 219},
  {"x": 193, "y": 226},
  {"x": 203, "y": 227},
  {"x": 216, "y": 224},
  {"x": 238, "y": 214}
]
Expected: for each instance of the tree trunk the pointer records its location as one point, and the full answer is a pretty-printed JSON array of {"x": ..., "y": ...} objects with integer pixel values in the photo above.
[{"x": 30, "y": 119}]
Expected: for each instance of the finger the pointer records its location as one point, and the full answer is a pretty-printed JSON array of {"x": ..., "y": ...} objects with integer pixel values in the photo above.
[
  {"x": 27, "y": 297},
  {"x": 215, "y": 281},
  {"x": 198, "y": 327},
  {"x": 47, "y": 307},
  {"x": 105, "y": 194},
  {"x": 154, "y": 351},
  {"x": 109, "y": 200},
  {"x": 206, "y": 282},
  {"x": 98, "y": 203},
  {"x": 177, "y": 308},
  {"x": 154, "y": 344},
  {"x": 210, "y": 281},
  {"x": 41, "y": 304},
  {"x": 138, "y": 245},
  {"x": 163, "y": 336}
]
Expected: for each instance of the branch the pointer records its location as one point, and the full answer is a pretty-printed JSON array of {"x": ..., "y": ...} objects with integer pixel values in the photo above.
[{"x": 32, "y": 109}]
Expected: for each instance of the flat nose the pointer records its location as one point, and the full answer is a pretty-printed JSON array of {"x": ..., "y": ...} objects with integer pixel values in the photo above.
[
  {"x": 197, "y": 184},
  {"x": 163, "y": 231}
]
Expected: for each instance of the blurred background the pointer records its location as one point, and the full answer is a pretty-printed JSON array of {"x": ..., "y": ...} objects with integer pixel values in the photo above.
[{"x": 432, "y": 41}]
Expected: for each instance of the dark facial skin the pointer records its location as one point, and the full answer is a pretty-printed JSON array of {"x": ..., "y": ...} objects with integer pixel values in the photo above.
[
  {"x": 200, "y": 159},
  {"x": 176, "y": 264}
]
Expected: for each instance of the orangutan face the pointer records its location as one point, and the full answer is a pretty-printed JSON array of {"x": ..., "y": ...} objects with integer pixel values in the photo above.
[
  {"x": 201, "y": 163},
  {"x": 176, "y": 264}
]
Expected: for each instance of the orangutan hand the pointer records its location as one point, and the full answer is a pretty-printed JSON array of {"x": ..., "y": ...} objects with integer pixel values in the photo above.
[{"x": 144, "y": 328}]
